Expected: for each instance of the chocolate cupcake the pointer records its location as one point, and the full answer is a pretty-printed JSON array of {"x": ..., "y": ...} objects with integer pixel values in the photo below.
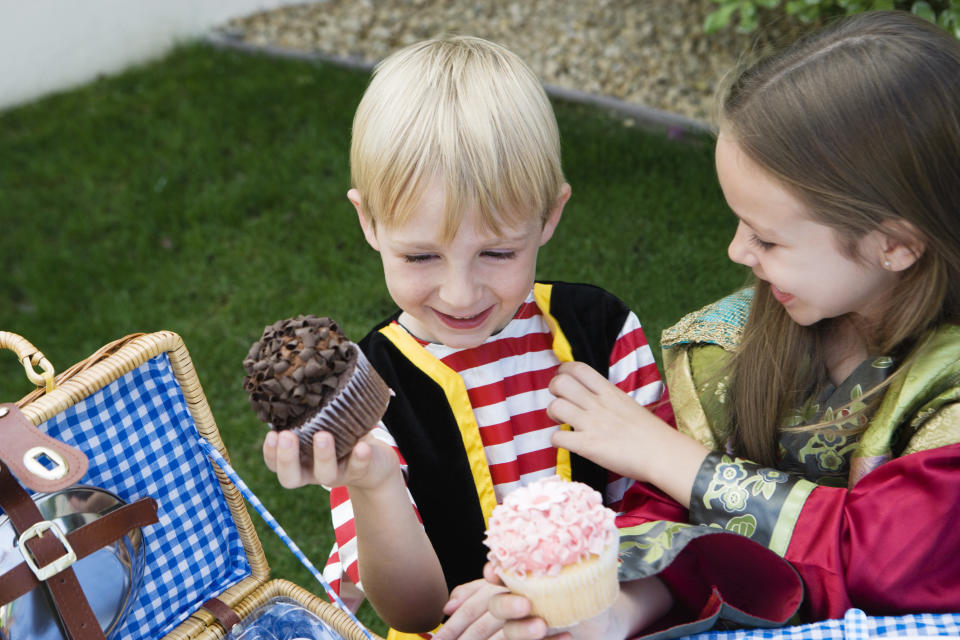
[{"x": 304, "y": 374}]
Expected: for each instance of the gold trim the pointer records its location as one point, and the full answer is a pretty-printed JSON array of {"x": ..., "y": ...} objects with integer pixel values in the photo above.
[
  {"x": 456, "y": 393},
  {"x": 561, "y": 348}
]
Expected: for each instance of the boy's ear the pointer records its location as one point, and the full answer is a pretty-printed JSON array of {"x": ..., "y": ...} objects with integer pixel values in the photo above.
[
  {"x": 903, "y": 244},
  {"x": 553, "y": 219},
  {"x": 365, "y": 223}
]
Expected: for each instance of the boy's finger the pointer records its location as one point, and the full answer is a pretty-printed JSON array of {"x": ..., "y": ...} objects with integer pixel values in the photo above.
[
  {"x": 270, "y": 451},
  {"x": 459, "y": 594},
  {"x": 288, "y": 460},
  {"x": 508, "y": 606},
  {"x": 490, "y": 574},
  {"x": 325, "y": 466}
]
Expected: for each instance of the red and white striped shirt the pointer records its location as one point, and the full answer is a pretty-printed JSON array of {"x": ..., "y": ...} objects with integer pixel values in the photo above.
[{"x": 506, "y": 379}]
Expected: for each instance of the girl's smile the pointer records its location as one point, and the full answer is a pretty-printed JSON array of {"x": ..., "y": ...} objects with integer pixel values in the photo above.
[
  {"x": 782, "y": 298},
  {"x": 809, "y": 271}
]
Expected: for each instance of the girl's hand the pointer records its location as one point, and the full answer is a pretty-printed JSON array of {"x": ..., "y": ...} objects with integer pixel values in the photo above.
[
  {"x": 609, "y": 426},
  {"x": 470, "y": 618},
  {"x": 368, "y": 466},
  {"x": 613, "y": 430}
]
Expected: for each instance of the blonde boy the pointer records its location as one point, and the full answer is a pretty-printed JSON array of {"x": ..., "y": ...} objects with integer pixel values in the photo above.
[{"x": 457, "y": 183}]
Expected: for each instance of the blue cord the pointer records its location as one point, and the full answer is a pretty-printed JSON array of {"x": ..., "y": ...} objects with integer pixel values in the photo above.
[{"x": 254, "y": 501}]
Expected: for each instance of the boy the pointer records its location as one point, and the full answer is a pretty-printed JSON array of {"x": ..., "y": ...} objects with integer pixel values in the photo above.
[{"x": 457, "y": 182}]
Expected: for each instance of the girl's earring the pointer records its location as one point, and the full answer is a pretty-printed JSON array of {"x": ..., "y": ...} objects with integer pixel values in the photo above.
[{"x": 886, "y": 265}]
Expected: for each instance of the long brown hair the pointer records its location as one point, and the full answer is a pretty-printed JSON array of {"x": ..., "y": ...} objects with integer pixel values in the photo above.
[{"x": 861, "y": 121}]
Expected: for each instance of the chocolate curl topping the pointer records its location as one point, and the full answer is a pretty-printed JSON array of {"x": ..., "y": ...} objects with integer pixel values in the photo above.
[{"x": 297, "y": 365}]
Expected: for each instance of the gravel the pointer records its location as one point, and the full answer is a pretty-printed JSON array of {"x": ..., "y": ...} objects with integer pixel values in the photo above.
[{"x": 648, "y": 58}]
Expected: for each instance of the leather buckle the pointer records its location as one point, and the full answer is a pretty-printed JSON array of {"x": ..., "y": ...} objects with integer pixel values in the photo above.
[{"x": 51, "y": 568}]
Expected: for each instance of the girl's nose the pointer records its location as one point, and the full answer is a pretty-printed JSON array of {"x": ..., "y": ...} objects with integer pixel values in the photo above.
[{"x": 739, "y": 249}]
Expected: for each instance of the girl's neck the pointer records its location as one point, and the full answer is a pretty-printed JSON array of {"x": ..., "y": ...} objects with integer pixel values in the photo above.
[{"x": 846, "y": 348}]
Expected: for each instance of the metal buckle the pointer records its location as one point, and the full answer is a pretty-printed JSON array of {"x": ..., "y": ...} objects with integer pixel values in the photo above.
[
  {"x": 51, "y": 568},
  {"x": 32, "y": 461}
]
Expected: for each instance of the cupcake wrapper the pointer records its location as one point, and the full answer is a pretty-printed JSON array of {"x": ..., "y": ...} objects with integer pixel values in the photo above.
[
  {"x": 353, "y": 412},
  {"x": 580, "y": 592}
]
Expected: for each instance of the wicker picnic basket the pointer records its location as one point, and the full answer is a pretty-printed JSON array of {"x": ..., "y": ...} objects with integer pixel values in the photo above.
[{"x": 172, "y": 400}]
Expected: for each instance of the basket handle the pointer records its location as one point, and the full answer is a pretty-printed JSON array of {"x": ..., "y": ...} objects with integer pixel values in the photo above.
[
  {"x": 30, "y": 357},
  {"x": 38, "y": 461}
]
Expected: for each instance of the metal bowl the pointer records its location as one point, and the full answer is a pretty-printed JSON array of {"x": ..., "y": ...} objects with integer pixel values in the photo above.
[{"x": 109, "y": 577}]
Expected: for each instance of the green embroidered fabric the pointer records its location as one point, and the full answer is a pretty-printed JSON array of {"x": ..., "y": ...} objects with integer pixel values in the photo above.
[
  {"x": 746, "y": 498},
  {"x": 720, "y": 323}
]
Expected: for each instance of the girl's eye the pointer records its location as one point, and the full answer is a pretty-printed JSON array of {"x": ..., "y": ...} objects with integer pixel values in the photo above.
[
  {"x": 500, "y": 255},
  {"x": 419, "y": 257},
  {"x": 763, "y": 246}
]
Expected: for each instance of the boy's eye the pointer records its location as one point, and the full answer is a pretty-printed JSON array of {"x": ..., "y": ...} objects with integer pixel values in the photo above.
[
  {"x": 762, "y": 245},
  {"x": 500, "y": 255},
  {"x": 419, "y": 257}
]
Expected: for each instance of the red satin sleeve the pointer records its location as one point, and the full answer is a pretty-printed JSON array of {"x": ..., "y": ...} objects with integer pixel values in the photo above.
[{"x": 890, "y": 545}]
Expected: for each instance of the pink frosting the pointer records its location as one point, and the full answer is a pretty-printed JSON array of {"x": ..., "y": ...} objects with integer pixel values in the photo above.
[{"x": 550, "y": 523}]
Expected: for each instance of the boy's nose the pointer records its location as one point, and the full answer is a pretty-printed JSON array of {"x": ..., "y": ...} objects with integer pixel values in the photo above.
[{"x": 459, "y": 290}]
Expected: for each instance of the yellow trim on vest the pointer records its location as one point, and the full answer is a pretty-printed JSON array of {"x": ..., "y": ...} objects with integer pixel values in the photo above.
[
  {"x": 393, "y": 634},
  {"x": 456, "y": 394},
  {"x": 561, "y": 348}
]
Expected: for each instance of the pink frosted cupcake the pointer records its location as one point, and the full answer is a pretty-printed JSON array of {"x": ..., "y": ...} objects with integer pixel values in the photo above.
[{"x": 556, "y": 544}]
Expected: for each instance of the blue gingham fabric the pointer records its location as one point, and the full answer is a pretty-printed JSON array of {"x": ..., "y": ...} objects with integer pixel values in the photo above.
[
  {"x": 855, "y": 625},
  {"x": 141, "y": 441}
]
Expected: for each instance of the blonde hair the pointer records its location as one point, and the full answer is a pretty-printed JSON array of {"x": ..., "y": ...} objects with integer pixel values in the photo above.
[
  {"x": 464, "y": 111},
  {"x": 861, "y": 121}
]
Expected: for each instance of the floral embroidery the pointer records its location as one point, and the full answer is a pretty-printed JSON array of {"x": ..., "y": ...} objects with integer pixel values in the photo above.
[
  {"x": 745, "y": 525},
  {"x": 654, "y": 544},
  {"x": 732, "y": 485}
]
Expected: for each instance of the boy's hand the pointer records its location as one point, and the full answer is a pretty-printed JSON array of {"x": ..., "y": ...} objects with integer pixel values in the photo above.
[
  {"x": 513, "y": 612},
  {"x": 470, "y": 618},
  {"x": 367, "y": 467}
]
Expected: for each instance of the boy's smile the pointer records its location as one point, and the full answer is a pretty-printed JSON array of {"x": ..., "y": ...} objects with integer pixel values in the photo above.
[
  {"x": 462, "y": 291},
  {"x": 467, "y": 323}
]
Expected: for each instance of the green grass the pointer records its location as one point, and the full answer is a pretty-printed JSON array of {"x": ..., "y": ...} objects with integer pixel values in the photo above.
[{"x": 205, "y": 194}]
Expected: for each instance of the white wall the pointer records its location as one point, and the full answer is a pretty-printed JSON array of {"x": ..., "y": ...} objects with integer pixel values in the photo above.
[{"x": 50, "y": 45}]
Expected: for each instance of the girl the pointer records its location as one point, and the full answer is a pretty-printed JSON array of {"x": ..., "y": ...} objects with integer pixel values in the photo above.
[{"x": 819, "y": 413}]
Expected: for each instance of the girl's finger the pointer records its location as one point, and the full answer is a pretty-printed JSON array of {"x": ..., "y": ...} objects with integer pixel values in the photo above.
[
  {"x": 566, "y": 412},
  {"x": 585, "y": 375},
  {"x": 567, "y": 387}
]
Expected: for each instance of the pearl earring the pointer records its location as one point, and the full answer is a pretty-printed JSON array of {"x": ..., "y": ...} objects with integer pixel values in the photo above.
[{"x": 886, "y": 264}]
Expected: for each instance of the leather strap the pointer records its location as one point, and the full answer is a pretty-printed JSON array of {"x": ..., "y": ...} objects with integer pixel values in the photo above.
[
  {"x": 78, "y": 618},
  {"x": 41, "y": 463},
  {"x": 84, "y": 541},
  {"x": 226, "y": 616}
]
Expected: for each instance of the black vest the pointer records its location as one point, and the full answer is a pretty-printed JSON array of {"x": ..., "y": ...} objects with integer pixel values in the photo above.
[{"x": 423, "y": 425}]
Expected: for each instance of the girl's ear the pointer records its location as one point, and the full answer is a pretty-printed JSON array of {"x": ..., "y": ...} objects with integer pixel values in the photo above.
[
  {"x": 369, "y": 232},
  {"x": 902, "y": 246},
  {"x": 553, "y": 219}
]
